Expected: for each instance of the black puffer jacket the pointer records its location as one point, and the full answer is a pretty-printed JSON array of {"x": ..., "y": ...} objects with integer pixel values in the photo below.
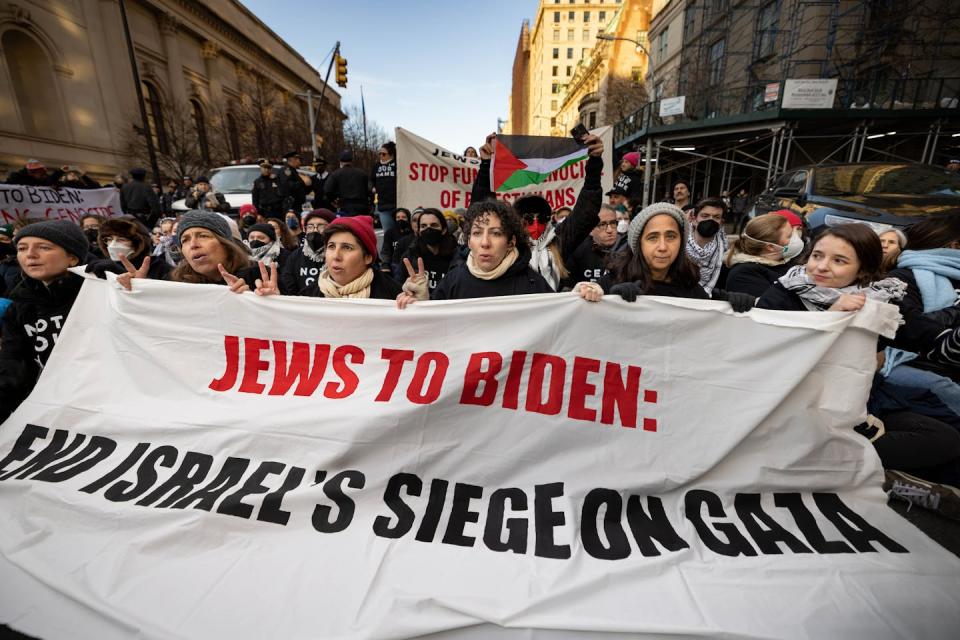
[
  {"x": 754, "y": 278},
  {"x": 31, "y": 326},
  {"x": 519, "y": 279}
]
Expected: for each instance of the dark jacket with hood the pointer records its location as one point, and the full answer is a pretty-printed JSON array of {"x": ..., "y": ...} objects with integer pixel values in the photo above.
[
  {"x": 519, "y": 279},
  {"x": 31, "y": 326},
  {"x": 383, "y": 287},
  {"x": 142, "y": 247}
]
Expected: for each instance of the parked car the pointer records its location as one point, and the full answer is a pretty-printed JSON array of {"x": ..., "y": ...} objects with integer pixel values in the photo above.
[
  {"x": 235, "y": 182},
  {"x": 882, "y": 195}
]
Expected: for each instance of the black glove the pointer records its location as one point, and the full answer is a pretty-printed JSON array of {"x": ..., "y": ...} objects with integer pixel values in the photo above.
[
  {"x": 741, "y": 302},
  {"x": 100, "y": 268},
  {"x": 626, "y": 290}
]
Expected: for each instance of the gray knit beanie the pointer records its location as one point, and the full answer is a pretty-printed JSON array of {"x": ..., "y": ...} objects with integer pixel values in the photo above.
[
  {"x": 62, "y": 233},
  {"x": 641, "y": 219},
  {"x": 205, "y": 219}
]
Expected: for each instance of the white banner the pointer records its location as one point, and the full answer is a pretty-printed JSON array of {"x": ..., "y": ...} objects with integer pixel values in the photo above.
[
  {"x": 19, "y": 203},
  {"x": 199, "y": 464},
  {"x": 431, "y": 176}
]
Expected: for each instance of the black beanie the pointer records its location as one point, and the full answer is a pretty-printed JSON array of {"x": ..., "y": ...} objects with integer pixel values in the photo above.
[
  {"x": 62, "y": 233},
  {"x": 264, "y": 228}
]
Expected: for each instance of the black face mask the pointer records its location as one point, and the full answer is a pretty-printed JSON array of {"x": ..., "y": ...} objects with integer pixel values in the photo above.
[
  {"x": 403, "y": 226},
  {"x": 249, "y": 220},
  {"x": 92, "y": 234},
  {"x": 431, "y": 235},
  {"x": 256, "y": 244},
  {"x": 315, "y": 240},
  {"x": 708, "y": 228}
]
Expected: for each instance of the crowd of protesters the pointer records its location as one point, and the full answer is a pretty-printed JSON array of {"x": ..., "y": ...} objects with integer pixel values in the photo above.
[{"x": 316, "y": 237}]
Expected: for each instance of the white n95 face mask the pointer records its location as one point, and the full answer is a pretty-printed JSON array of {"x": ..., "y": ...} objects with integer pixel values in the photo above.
[
  {"x": 118, "y": 250},
  {"x": 794, "y": 247},
  {"x": 622, "y": 226}
]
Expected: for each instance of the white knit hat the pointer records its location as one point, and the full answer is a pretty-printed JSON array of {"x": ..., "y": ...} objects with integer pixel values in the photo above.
[{"x": 640, "y": 221}]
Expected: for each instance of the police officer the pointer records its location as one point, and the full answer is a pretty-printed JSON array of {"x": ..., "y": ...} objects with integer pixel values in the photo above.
[
  {"x": 139, "y": 200},
  {"x": 293, "y": 189},
  {"x": 266, "y": 192}
]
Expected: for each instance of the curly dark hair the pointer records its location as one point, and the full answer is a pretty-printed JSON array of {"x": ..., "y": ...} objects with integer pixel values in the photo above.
[
  {"x": 627, "y": 266},
  {"x": 510, "y": 220}
]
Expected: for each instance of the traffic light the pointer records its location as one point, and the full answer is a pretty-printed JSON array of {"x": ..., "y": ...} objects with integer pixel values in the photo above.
[{"x": 341, "y": 71}]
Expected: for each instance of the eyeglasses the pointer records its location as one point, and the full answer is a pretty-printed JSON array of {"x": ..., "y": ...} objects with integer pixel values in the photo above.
[
  {"x": 609, "y": 224},
  {"x": 314, "y": 227}
]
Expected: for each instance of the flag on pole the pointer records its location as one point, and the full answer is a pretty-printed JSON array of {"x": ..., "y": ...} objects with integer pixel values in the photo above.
[{"x": 519, "y": 161}]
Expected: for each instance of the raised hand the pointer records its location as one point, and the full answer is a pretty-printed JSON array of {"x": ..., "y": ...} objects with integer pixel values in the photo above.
[
  {"x": 237, "y": 285},
  {"x": 126, "y": 279},
  {"x": 416, "y": 284},
  {"x": 486, "y": 151},
  {"x": 267, "y": 282},
  {"x": 594, "y": 145}
]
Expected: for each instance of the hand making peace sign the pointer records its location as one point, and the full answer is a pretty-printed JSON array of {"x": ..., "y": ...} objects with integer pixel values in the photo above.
[
  {"x": 125, "y": 280},
  {"x": 267, "y": 282},
  {"x": 415, "y": 288}
]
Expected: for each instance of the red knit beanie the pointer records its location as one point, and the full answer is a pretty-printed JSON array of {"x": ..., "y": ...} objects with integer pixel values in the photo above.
[{"x": 360, "y": 226}]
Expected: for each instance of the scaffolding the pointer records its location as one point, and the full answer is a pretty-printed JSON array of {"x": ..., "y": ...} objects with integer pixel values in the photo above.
[{"x": 896, "y": 66}]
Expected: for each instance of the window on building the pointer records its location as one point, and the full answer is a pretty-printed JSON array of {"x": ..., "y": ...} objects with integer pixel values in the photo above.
[
  {"x": 716, "y": 62},
  {"x": 555, "y": 88},
  {"x": 201, "y": 126},
  {"x": 569, "y": 53},
  {"x": 689, "y": 22},
  {"x": 569, "y": 71},
  {"x": 556, "y": 53},
  {"x": 663, "y": 44},
  {"x": 584, "y": 53},
  {"x": 571, "y": 15},
  {"x": 767, "y": 23},
  {"x": 556, "y": 16},
  {"x": 636, "y": 74},
  {"x": 586, "y": 34},
  {"x": 556, "y": 34},
  {"x": 157, "y": 131},
  {"x": 34, "y": 85},
  {"x": 586, "y": 16},
  {"x": 554, "y": 74},
  {"x": 233, "y": 136},
  {"x": 569, "y": 34},
  {"x": 658, "y": 91},
  {"x": 603, "y": 16},
  {"x": 592, "y": 120},
  {"x": 553, "y": 105},
  {"x": 553, "y": 122}
]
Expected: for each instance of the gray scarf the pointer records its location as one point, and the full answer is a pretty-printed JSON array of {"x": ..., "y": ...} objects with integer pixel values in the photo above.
[
  {"x": 267, "y": 254},
  {"x": 817, "y": 298}
]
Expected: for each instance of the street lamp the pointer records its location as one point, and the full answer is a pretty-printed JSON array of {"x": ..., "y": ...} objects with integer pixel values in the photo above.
[{"x": 649, "y": 150}]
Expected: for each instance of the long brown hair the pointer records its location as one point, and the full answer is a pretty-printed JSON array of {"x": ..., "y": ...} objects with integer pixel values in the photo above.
[
  {"x": 287, "y": 238},
  {"x": 237, "y": 259},
  {"x": 762, "y": 230}
]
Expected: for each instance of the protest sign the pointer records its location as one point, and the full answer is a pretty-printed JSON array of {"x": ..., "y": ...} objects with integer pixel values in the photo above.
[
  {"x": 431, "y": 176},
  {"x": 18, "y": 203},
  {"x": 195, "y": 463}
]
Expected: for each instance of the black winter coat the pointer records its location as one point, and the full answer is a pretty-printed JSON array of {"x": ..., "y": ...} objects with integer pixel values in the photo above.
[
  {"x": 518, "y": 280},
  {"x": 293, "y": 191},
  {"x": 159, "y": 269},
  {"x": 665, "y": 289},
  {"x": 588, "y": 263},
  {"x": 139, "y": 200},
  {"x": 351, "y": 187},
  {"x": 437, "y": 265},
  {"x": 632, "y": 182},
  {"x": 266, "y": 196},
  {"x": 384, "y": 179},
  {"x": 780, "y": 298},
  {"x": 199, "y": 202},
  {"x": 754, "y": 278},
  {"x": 31, "y": 326},
  {"x": 383, "y": 287},
  {"x": 23, "y": 178}
]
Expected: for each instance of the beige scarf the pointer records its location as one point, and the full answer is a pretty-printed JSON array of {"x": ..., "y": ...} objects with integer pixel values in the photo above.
[
  {"x": 500, "y": 269},
  {"x": 359, "y": 288}
]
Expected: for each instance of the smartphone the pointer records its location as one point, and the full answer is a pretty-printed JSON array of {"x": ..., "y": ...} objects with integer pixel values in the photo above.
[{"x": 579, "y": 132}]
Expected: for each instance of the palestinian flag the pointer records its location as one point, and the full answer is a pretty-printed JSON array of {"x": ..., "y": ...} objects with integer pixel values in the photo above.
[{"x": 519, "y": 161}]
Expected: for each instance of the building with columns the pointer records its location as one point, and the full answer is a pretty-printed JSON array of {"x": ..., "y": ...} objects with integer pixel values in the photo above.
[{"x": 218, "y": 85}]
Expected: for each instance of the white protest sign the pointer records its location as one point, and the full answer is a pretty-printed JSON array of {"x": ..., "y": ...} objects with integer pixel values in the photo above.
[
  {"x": 196, "y": 464},
  {"x": 809, "y": 93},
  {"x": 430, "y": 176},
  {"x": 19, "y": 203}
]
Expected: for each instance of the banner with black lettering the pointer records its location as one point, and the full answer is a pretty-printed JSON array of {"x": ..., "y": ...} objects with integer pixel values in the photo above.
[
  {"x": 196, "y": 464},
  {"x": 18, "y": 203},
  {"x": 431, "y": 176}
]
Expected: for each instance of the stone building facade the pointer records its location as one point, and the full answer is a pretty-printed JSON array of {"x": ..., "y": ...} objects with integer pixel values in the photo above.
[{"x": 207, "y": 69}]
